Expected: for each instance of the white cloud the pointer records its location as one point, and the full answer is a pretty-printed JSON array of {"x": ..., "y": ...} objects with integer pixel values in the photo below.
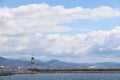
[
  {"x": 13, "y": 43},
  {"x": 23, "y": 28},
  {"x": 81, "y": 44},
  {"x": 44, "y": 18},
  {"x": 98, "y": 44}
]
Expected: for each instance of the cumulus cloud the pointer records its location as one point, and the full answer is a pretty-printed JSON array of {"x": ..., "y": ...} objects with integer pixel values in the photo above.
[
  {"x": 98, "y": 44},
  {"x": 27, "y": 28},
  {"x": 10, "y": 44},
  {"x": 95, "y": 42},
  {"x": 44, "y": 18}
]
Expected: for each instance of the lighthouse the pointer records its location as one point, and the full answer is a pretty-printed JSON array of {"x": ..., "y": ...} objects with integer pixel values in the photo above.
[{"x": 32, "y": 63}]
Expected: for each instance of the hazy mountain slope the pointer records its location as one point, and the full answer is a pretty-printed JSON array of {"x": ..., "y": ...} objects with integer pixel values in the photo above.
[{"x": 54, "y": 64}]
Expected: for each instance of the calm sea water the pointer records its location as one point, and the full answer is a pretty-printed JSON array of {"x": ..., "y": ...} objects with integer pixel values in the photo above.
[{"x": 79, "y": 76}]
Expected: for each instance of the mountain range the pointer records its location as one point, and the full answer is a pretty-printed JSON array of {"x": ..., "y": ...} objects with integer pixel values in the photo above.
[{"x": 55, "y": 64}]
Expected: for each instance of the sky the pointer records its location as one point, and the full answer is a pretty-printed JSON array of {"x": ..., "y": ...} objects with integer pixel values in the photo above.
[{"x": 80, "y": 31}]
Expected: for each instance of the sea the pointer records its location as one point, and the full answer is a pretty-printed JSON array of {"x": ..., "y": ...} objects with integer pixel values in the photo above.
[{"x": 63, "y": 76}]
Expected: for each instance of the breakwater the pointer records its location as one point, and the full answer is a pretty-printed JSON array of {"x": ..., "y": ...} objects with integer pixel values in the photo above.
[
  {"x": 6, "y": 73},
  {"x": 38, "y": 71}
]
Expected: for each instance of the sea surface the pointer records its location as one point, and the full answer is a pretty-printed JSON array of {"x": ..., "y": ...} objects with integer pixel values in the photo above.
[{"x": 63, "y": 76}]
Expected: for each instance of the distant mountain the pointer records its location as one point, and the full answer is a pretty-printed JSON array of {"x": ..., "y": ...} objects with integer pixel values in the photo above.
[
  {"x": 54, "y": 64},
  {"x": 9, "y": 63}
]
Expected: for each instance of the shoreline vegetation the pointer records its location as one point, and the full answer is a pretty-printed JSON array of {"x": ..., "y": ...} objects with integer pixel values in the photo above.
[{"x": 40, "y": 71}]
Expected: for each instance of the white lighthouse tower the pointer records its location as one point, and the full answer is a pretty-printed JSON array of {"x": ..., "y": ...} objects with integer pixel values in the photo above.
[{"x": 32, "y": 63}]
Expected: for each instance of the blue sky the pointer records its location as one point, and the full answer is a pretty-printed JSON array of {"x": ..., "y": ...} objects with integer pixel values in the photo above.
[
  {"x": 67, "y": 30},
  {"x": 65, "y": 3}
]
